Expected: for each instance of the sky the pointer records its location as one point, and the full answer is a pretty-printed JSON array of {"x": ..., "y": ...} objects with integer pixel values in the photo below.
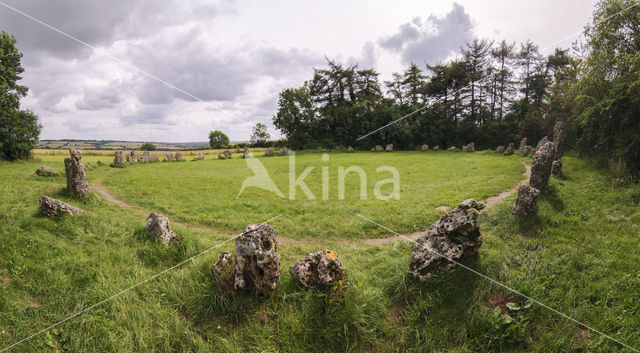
[{"x": 171, "y": 71}]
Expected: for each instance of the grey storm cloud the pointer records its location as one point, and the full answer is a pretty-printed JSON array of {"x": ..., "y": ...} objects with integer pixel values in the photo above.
[{"x": 433, "y": 39}]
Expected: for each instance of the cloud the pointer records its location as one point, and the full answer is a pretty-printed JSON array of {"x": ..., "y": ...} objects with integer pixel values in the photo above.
[{"x": 431, "y": 40}]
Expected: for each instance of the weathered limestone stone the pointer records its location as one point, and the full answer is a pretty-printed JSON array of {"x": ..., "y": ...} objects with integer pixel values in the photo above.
[
  {"x": 246, "y": 153},
  {"x": 199, "y": 157},
  {"x": 320, "y": 270},
  {"x": 179, "y": 156},
  {"x": 455, "y": 236},
  {"x": 52, "y": 207},
  {"x": 146, "y": 157},
  {"x": 258, "y": 261},
  {"x": 452, "y": 148},
  {"x": 528, "y": 150},
  {"x": 224, "y": 271},
  {"x": 46, "y": 171},
  {"x": 76, "y": 178},
  {"x": 424, "y": 147},
  {"x": 118, "y": 158},
  {"x": 541, "y": 167},
  {"x": 169, "y": 157},
  {"x": 389, "y": 148},
  {"x": 132, "y": 157},
  {"x": 523, "y": 144},
  {"x": 158, "y": 227},
  {"x": 469, "y": 148},
  {"x": 284, "y": 151},
  {"x": 510, "y": 148},
  {"x": 527, "y": 201},
  {"x": 542, "y": 142},
  {"x": 436, "y": 147},
  {"x": 350, "y": 149},
  {"x": 268, "y": 152},
  {"x": 500, "y": 149},
  {"x": 227, "y": 154},
  {"x": 379, "y": 148},
  {"x": 556, "y": 167}
]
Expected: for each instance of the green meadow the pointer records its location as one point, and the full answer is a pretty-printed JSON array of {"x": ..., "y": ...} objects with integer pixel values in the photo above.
[{"x": 579, "y": 256}]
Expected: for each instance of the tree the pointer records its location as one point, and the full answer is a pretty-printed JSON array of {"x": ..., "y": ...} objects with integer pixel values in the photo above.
[
  {"x": 260, "y": 134},
  {"x": 504, "y": 55},
  {"x": 147, "y": 146},
  {"x": 476, "y": 61},
  {"x": 19, "y": 129},
  {"x": 296, "y": 117},
  {"x": 218, "y": 139}
]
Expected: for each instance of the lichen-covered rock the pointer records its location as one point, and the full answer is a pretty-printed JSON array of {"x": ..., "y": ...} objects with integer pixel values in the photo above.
[
  {"x": 379, "y": 148},
  {"x": 320, "y": 270},
  {"x": 452, "y": 148},
  {"x": 169, "y": 157},
  {"x": 424, "y": 148},
  {"x": 541, "y": 167},
  {"x": 199, "y": 157},
  {"x": 542, "y": 142},
  {"x": 258, "y": 261},
  {"x": 436, "y": 147},
  {"x": 118, "y": 158},
  {"x": 454, "y": 236},
  {"x": 389, "y": 147},
  {"x": 179, "y": 156},
  {"x": 528, "y": 150},
  {"x": 284, "y": 151},
  {"x": 132, "y": 157},
  {"x": 523, "y": 144},
  {"x": 509, "y": 149},
  {"x": 469, "y": 148},
  {"x": 76, "y": 177},
  {"x": 227, "y": 154},
  {"x": 350, "y": 149},
  {"x": 224, "y": 270},
  {"x": 52, "y": 207},
  {"x": 246, "y": 153},
  {"x": 268, "y": 152},
  {"x": 46, "y": 171},
  {"x": 500, "y": 149},
  {"x": 526, "y": 202},
  {"x": 556, "y": 167},
  {"x": 158, "y": 227}
]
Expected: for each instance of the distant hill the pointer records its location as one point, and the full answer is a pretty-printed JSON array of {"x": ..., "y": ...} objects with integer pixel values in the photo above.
[{"x": 114, "y": 145}]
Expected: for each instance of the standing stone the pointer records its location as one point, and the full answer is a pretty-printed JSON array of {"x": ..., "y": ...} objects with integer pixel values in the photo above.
[
  {"x": 199, "y": 157},
  {"x": 452, "y": 148},
  {"x": 559, "y": 137},
  {"x": 436, "y": 148},
  {"x": 542, "y": 142},
  {"x": 158, "y": 227},
  {"x": 224, "y": 271},
  {"x": 179, "y": 156},
  {"x": 246, "y": 153},
  {"x": 389, "y": 148},
  {"x": 76, "y": 178},
  {"x": 46, "y": 171},
  {"x": 132, "y": 157},
  {"x": 510, "y": 149},
  {"x": 527, "y": 201},
  {"x": 284, "y": 151},
  {"x": 52, "y": 207},
  {"x": 541, "y": 167},
  {"x": 118, "y": 158},
  {"x": 227, "y": 154},
  {"x": 268, "y": 152},
  {"x": 500, "y": 149},
  {"x": 379, "y": 148},
  {"x": 320, "y": 270},
  {"x": 146, "y": 157},
  {"x": 556, "y": 167},
  {"x": 424, "y": 147},
  {"x": 523, "y": 144},
  {"x": 469, "y": 148},
  {"x": 454, "y": 236},
  {"x": 258, "y": 261},
  {"x": 169, "y": 157},
  {"x": 350, "y": 149},
  {"x": 528, "y": 150}
]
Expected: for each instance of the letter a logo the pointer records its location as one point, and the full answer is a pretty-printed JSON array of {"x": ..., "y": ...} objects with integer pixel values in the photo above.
[{"x": 260, "y": 178}]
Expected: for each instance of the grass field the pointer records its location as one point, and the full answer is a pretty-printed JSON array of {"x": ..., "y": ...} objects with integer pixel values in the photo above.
[{"x": 581, "y": 257}]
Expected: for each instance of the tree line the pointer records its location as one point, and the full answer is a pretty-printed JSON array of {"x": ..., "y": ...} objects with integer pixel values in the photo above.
[{"x": 492, "y": 93}]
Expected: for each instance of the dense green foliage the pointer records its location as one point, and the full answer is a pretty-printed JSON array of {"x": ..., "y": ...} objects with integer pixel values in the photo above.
[
  {"x": 218, "y": 139},
  {"x": 260, "y": 135},
  {"x": 147, "y": 146},
  {"x": 608, "y": 92},
  {"x": 19, "y": 129},
  {"x": 52, "y": 268}
]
